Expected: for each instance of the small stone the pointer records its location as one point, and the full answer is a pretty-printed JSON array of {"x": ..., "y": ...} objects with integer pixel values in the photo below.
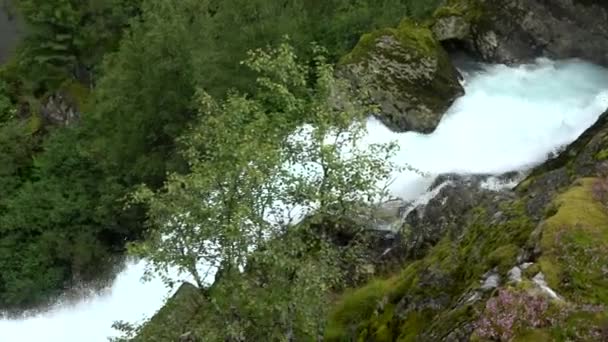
[
  {"x": 539, "y": 280},
  {"x": 474, "y": 298},
  {"x": 491, "y": 282},
  {"x": 187, "y": 337},
  {"x": 514, "y": 275},
  {"x": 497, "y": 216},
  {"x": 368, "y": 269},
  {"x": 526, "y": 265}
]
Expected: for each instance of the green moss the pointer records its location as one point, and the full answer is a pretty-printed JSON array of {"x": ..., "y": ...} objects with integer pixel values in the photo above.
[
  {"x": 34, "y": 123},
  {"x": 485, "y": 246},
  {"x": 175, "y": 317},
  {"x": 77, "y": 93},
  {"x": 354, "y": 307},
  {"x": 532, "y": 270},
  {"x": 452, "y": 267},
  {"x": 602, "y": 155},
  {"x": 535, "y": 335},
  {"x": 446, "y": 321},
  {"x": 503, "y": 257},
  {"x": 574, "y": 245},
  {"x": 471, "y": 10},
  {"x": 412, "y": 35},
  {"x": 580, "y": 326},
  {"x": 414, "y": 324},
  {"x": 525, "y": 184}
]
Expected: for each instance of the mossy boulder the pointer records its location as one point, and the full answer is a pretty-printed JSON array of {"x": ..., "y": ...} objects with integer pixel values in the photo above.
[
  {"x": 176, "y": 318},
  {"x": 407, "y": 73},
  {"x": 574, "y": 245}
]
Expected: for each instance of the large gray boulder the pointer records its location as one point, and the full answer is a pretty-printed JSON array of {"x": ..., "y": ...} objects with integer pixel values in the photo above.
[
  {"x": 407, "y": 73},
  {"x": 512, "y": 31}
]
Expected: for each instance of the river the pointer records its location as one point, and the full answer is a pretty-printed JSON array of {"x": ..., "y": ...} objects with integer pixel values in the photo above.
[{"x": 511, "y": 118}]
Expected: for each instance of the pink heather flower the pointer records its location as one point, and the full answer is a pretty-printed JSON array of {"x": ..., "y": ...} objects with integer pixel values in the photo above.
[{"x": 508, "y": 311}]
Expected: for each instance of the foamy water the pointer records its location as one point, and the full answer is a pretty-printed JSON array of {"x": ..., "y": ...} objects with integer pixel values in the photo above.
[{"x": 510, "y": 119}]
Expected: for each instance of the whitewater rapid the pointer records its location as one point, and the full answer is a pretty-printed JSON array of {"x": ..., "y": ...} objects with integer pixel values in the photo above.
[{"x": 510, "y": 119}]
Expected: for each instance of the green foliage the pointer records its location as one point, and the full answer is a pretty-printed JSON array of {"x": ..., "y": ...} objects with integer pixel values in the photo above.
[
  {"x": 143, "y": 101},
  {"x": 56, "y": 222},
  {"x": 504, "y": 257},
  {"x": 7, "y": 109},
  {"x": 250, "y": 183},
  {"x": 68, "y": 38},
  {"x": 133, "y": 68},
  {"x": 223, "y": 31}
]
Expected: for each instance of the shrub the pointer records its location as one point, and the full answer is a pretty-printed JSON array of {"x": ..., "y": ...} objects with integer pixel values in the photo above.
[{"x": 509, "y": 312}]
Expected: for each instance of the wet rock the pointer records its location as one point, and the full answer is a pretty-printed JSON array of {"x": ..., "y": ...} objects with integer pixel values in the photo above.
[
  {"x": 518, "y": 30},
  {"x": 389, "y": 215},
  {"x": 426, "y": 224}
]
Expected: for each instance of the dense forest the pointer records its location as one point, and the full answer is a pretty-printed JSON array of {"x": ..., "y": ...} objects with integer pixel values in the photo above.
[
  {"x": 225, "y": 139},
  {"x": 96, "y": 101}
]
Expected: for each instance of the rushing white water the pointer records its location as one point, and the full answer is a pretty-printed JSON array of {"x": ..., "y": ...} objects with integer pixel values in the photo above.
[
  {"x": 510, "y": 119},
  {"x": 91, "y": 318}
]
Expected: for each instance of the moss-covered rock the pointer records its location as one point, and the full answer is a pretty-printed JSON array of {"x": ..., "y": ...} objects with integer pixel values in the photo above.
[
  {"x": 405, "y": 71},
  {"x": 574, "y": 245},
  {"x": 175, "y": 318},
  {"x": 440, "y": 287},
  {"x": 456, "y": 19}
]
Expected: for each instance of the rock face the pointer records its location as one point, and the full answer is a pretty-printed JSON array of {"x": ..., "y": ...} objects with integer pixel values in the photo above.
[
  {"x": 407, "y": 73},
  {"x": 58, "y": 110},
  {"x": 65, "y": 105},
  {"x": 425, "y": 225},
  {"x": 511, "y": 31}
]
